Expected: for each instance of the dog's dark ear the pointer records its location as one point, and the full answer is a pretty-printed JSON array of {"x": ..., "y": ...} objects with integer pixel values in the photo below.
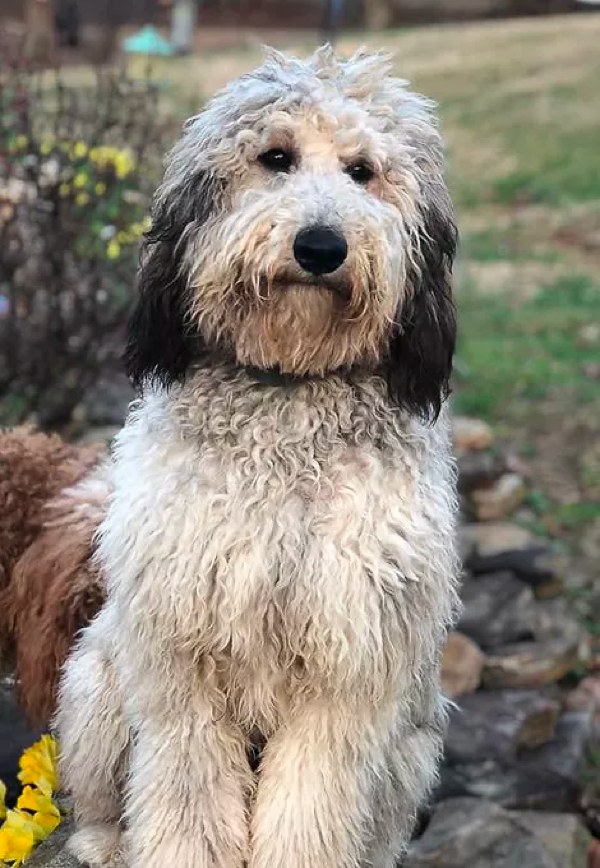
[
  {"x": 161, "y": 339},
  {"x": 424, "y": 336}
]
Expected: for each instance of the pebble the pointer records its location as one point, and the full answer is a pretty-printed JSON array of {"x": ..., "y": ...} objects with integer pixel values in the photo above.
[
  {"x": 472, "y": 833},
  {"x": 544, "y": 778},
  {"x": 499, "y": 499},
  {"x": 471, "y": 434},
  {"x": 497, "y": 610},
  {"x": 499, "y": 724},
  {"x": 531, "y": 664},
  {"x": 462, "y": 664},
  {"x": 563, "y": 835}
]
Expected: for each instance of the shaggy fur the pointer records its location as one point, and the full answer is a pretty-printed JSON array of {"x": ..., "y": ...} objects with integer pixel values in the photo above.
[
  {"x": 55, "y": 590},
  {"x": 279, "y": 546},
  {"x": 34, "y": 468}
]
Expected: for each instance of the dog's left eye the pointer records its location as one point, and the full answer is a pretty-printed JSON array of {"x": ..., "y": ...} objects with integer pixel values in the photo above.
[
  {"x": 277, "y": 160},
  {"x": 360, "y": 172}
]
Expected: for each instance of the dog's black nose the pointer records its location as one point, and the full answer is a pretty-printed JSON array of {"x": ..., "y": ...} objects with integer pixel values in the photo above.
[{"x": 319, "y": 249}]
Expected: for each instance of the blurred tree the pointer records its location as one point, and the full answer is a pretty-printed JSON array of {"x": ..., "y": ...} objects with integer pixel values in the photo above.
[
  {"x": 40, "y": 36},
  {"x": 378, "y": 14},
  {"x": 67, "y": 23},
  {"x": 183, "y": 24},
  {"x": 334, "y": 13},
  {"x": 101, "y": 38}
]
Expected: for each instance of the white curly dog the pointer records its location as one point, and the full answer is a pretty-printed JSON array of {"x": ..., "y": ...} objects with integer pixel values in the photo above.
[{"x": 279, "y": 547}]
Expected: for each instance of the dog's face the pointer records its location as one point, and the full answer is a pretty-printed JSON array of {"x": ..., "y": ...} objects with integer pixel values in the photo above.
[{"x": 303, "y": 224}]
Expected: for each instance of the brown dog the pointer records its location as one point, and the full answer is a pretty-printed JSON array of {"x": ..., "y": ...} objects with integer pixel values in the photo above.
[{"x": 48, "y": 587}]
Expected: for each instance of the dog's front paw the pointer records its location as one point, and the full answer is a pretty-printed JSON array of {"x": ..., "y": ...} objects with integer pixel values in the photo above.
[{"x": 98, "y": 845}]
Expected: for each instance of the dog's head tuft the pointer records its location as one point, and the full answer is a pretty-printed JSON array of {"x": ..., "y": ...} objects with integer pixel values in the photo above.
[{"x": 303, "y": 224}]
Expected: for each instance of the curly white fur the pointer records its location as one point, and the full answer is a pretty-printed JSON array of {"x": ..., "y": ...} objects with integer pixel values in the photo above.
[{"x": 279, "y": 558}]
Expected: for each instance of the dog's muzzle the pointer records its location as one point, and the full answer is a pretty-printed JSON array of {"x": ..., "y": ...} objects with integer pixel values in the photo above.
[{"x": 320, "y": 249}]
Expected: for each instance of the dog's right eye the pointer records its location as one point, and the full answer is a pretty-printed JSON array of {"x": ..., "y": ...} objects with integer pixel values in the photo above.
[{"x": 277, "y": 160}]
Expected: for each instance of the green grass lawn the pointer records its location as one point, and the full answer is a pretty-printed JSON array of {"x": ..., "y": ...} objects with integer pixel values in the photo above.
[{"x": 523, "y": 351}]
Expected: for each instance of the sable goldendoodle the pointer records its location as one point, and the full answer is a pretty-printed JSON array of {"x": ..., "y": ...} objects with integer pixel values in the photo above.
[{"x": 279, "y": 547}]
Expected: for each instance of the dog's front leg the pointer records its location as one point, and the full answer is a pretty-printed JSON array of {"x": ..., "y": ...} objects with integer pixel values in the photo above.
[
  {"x": 313, "y": 801},
  {"x": 94, "y": 739},
  {"x": 186, "y": 804}
]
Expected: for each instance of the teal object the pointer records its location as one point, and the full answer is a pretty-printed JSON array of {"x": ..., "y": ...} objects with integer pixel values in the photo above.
[{"x": 148, "y": 41}]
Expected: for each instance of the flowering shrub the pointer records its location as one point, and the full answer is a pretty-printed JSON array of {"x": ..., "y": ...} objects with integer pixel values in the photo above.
[
  {"x": 77, "y": 169},
  {"x": 36, "y": 814},
  {"x": 99, "y": 186}
]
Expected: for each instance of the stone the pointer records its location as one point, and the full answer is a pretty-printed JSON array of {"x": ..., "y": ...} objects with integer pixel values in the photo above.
[
  {"x": 494, "y": 538},
  {"x": 549, "y": 590},
  {"x": 554, "y": 621},
  {"x": 497, "y": 725},
  {"x": 471, "y": 434},
  {"x": 462, "y": 664},
  {"x": 52, "y": 852},
  {"x": 550, "y": 777},
  {"x": 498, "y": 610},
  {"x": 477, "y": 470},
  {"x": 530, "y": 664},
  {"x": 534, "y": 563},
  {"x": 472, "y": 833},
  {"x": 499, "y": 499},
  {"x": 515, "y": 463},
  {"x": 586, "y": 696},
  {"x": 564, "y": 837},
  {"x": 544, "y": 778},
  {"x": 589, "y": 335}
]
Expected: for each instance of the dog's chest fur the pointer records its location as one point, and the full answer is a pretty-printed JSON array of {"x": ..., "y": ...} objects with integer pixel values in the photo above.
[{"x": 288, "y": 538}]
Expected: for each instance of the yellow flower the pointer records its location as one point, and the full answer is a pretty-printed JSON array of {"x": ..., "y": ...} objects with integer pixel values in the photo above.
[
  {"x": 46, "y": 147},
  {"x": 81, "y": 179},
  {"x": 45, "y": 813},
  {"x": 138, "y": 229},
  {"x": 38, "y": 765},
  {"x": 80, "y": 150},
  {"x": 103, "y": 155},
  {"x": 100, "y": 188},
  {"x": 123, "y": 164},
  {"x": 18, "y": 836},
  {"x": 2, "y": 800},
  {"x": 82, "y": 199},
  {"x": 113, "y": 249},
  {"x": 64, "y": 190},
  {"x": 21, "y": 141}
]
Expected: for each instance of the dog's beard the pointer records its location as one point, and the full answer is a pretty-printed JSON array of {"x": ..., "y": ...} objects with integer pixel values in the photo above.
[
  {"x": 274, "y": 315},
  {"x": 291, "y": 330},
  {"x": 300, "y": 329}
]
